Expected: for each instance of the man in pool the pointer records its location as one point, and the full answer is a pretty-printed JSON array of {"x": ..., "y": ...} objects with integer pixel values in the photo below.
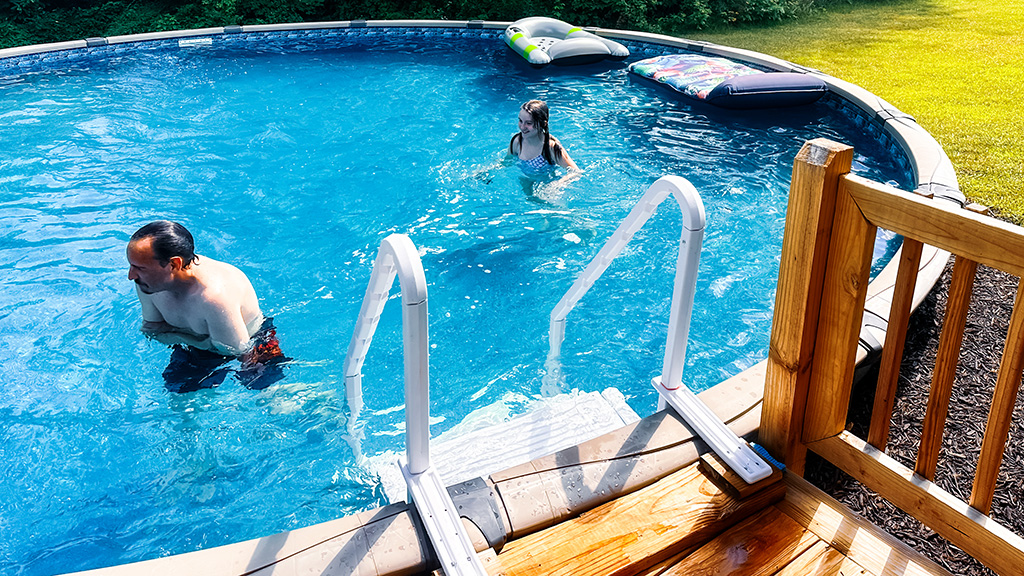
[{"x": 206, "y": 310}]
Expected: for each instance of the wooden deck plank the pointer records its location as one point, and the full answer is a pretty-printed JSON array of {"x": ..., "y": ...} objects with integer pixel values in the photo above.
[
  {"x": 659, "y": 568},
  {"x": 728, "y": 480},
  {"x": 760, "y": 545},
  {"x": 863, "y": 542},
  {"x": 821, "y": 559},
  {"x": 635, "y": 532},
  {"x": 685, "y": 524}
]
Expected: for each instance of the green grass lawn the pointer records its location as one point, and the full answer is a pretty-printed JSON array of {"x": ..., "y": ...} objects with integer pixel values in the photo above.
[{"x": 956, "y": 66}]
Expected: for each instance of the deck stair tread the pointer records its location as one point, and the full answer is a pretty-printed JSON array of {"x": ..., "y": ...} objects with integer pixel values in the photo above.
[
  {"x": 634, "y": 532},
  {"x": 685, "y": 524},
  {"x": 548, "y": 425},
  {"x": 764, "y": 543}
]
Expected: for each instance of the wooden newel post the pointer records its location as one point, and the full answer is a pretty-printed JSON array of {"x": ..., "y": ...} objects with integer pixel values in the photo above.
[{"x": 805, "y": 245}]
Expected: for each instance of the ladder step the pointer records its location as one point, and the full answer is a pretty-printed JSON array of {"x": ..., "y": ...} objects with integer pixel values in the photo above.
[{"x": 549, "y": 425}]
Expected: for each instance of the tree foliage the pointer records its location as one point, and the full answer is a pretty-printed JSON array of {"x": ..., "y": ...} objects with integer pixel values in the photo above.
[{"x": 43, "y": 21}]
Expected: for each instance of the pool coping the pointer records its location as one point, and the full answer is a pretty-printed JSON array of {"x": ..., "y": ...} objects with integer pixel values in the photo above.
[{"x": 529, "y": 497}]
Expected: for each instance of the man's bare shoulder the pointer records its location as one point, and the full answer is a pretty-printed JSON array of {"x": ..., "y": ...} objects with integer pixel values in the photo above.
[
  {"x": 216, "y": 266},
  {"x": 226, "y": 289},
  {"x": 220, "y": 278}
]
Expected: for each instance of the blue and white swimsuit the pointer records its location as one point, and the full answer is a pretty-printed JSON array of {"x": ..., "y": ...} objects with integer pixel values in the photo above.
[{"x": 535, "y": 166}]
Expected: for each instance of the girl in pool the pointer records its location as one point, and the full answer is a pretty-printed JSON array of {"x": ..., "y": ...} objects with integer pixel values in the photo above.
[{"x": 534, "y": 145}]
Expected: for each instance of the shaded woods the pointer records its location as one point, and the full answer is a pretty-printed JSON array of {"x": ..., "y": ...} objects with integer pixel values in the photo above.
[{"x": 43, "y": 21}]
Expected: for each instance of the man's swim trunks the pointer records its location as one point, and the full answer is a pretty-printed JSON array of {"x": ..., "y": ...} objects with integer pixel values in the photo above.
[
  {"x": 265, "y": 345},
  {"x": 261, "y": 364},
  {"x": 191, "y": 369}
]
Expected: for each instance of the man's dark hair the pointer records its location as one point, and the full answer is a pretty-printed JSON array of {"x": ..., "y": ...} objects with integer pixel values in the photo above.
[{"x": 169, "y": 239}]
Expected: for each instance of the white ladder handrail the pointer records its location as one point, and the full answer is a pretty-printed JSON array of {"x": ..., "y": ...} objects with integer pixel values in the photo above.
[
  {"x": 686, "y": 270},
  {"x": 734, "y": 451},
  {"x": 398, "y": 256}
]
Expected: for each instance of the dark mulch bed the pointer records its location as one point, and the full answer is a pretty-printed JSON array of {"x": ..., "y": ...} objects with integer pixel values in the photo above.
[{"x": 991, "y": 305}]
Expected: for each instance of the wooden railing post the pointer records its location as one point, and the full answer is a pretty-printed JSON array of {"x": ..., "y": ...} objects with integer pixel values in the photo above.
[
  {"x": 861, "y": 206},
  {"x": 839, "y": 322},
  {"x": 805, "y": 244}
]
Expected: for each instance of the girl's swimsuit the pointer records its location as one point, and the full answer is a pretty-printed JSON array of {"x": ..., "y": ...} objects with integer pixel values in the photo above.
[{"x": 535, "y": 166}]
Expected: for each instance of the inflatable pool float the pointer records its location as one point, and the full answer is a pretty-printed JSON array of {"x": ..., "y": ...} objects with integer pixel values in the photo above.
[
  {"x": 542, "y": 41},
  {"x": 729, "y": 84}
]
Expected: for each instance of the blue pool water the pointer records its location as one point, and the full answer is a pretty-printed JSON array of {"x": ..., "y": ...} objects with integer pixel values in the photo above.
[{"x": 293, "y": 164}]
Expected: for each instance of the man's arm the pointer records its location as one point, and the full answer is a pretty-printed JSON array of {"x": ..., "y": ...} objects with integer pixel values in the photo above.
[{"x": 228, "y": 333}]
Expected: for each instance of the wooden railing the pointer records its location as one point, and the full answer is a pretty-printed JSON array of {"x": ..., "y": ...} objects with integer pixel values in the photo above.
[{"x": 826, "y": 258}]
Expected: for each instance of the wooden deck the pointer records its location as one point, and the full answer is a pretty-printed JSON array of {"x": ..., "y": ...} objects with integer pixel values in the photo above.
[{"x": 685, "y": 524}]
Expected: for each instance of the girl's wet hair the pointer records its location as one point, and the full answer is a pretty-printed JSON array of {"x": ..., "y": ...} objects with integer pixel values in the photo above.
[
  {"x": 538, "y": 110},
  {"x": 170, "y": 239}
]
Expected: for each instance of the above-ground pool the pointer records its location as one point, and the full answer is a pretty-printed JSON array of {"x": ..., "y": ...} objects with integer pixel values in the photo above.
[{"x": 292, "y": 155}]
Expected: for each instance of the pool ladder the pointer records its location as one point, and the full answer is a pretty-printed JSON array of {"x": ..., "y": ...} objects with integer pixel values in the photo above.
[
  {"x": 729, "y": 447},
  {"x": 398, "y": 257}
]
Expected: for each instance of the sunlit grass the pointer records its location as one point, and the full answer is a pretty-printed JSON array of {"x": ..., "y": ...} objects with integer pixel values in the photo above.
[{"x": 956, "y": 66}]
